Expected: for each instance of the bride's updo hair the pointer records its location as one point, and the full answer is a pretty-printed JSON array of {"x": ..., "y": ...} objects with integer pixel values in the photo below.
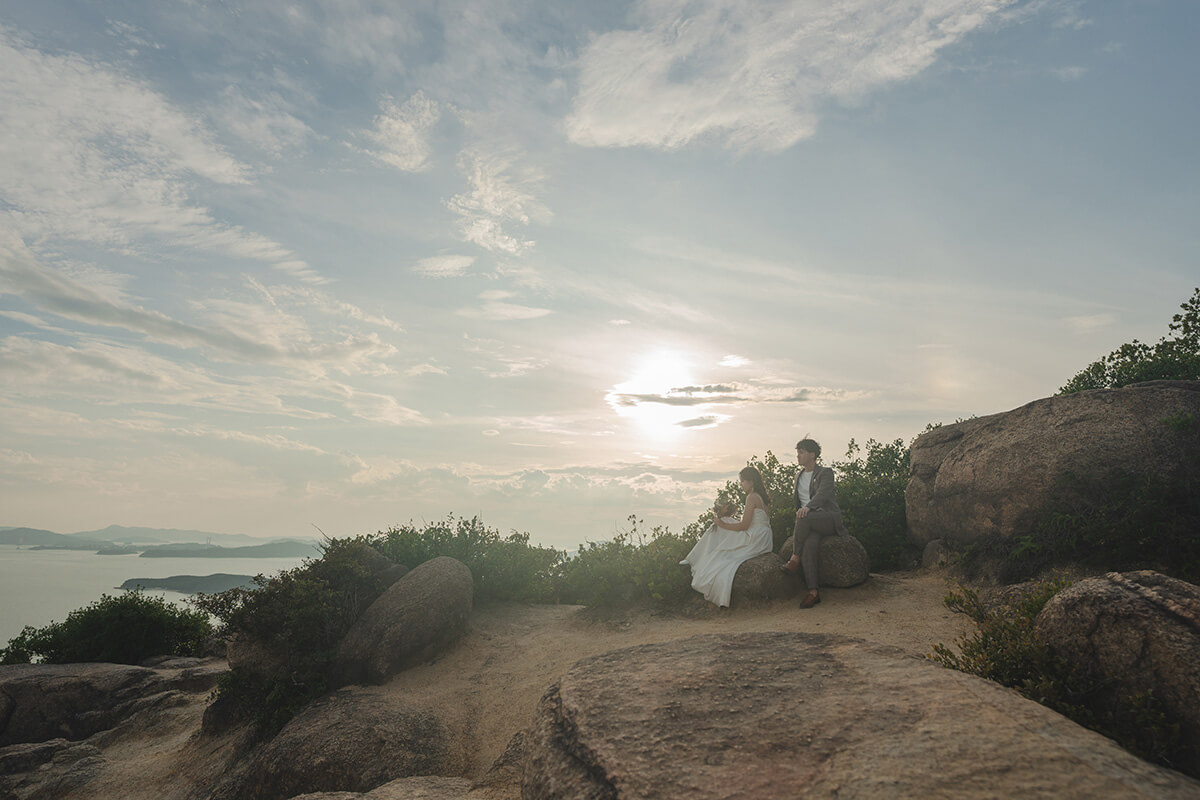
[{"x": 751, "y": 474}]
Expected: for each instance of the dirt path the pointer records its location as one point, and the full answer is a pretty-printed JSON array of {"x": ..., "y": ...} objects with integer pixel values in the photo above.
[{"x": 491, "y": 682}]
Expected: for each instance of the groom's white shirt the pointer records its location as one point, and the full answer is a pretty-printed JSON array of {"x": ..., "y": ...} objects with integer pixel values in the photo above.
[{"x": 803, "y": 483}]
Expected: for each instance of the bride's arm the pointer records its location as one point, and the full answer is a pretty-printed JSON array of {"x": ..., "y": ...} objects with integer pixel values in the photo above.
[{"x": 753, "y": 501}]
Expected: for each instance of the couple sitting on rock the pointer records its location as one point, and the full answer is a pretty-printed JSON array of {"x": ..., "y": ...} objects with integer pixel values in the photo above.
[{"x": 729, "y": 542}]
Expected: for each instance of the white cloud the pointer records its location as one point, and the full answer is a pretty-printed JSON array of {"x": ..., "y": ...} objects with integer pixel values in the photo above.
[
  {"x": 750, "y": 75},
  {"x": 496, "y": 307},
  {"x": 1070, "y": 73},
  {"x": 443, "y": 266},
  {"x": 501, "y": 193},
  {"x": 265, "y": 121},
  {"x": 234, "y": 329},
  {"x": 89, "y": 154},
  {"x": 402, "y": 133},
  {"x": 1090, "y": 323}
]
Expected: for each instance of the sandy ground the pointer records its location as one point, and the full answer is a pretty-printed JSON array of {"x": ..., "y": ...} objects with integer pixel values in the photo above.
[
  {"x": 491, "y": 682},
  {"x": 488, "y": 686}
]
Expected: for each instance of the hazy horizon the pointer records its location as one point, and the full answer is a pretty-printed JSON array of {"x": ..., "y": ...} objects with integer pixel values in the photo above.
[{"x": 277, "y": 265}]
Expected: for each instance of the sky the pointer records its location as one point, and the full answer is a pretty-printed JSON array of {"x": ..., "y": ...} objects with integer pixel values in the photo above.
[{"x": 276, "y": 267}]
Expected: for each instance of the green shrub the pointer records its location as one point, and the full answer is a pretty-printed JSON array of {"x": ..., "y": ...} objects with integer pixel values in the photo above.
[
  {"x": 122, "y": 629},
  {"x": 870, "y": 490},
  {"x": 1175, "y": 358},
  {"x": 632, "y": 568},
  {"x": 1005, "y": 649},
  {"x": 300, "y": 616},
  {"x": 506, "y": 568}
]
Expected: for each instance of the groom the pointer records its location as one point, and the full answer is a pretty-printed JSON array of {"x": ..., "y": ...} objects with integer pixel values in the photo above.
[{"x": 817, "y": 515}]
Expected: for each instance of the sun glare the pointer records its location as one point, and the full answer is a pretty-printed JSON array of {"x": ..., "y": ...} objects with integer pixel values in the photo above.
[{"x": 655, "y": 396}]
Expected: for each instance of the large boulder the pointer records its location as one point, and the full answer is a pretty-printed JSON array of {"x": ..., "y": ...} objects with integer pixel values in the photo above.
[
  {"x": 39, "y": 702},
  {"x": 418, "y": 616},
  {"x": 1134, "y": 632},
  {"x": 352, "y": 740},
  {"x": 785, "y": 715},
  {"x": 759, "y": 581},
  {"x": 997, "y": 475},
  {"x": 842, "y": 562}
]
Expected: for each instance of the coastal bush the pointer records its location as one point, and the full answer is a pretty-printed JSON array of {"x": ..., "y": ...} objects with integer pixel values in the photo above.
[
  {"x": 870, "y": 489},
  {"x": 632, "y": 568},
  {"x": 1173, "y": 358},
  {"x": 126, "y": 628},
  {"x": 1004, "y": 648},
  {"x": 504, "y": 568},
  {"x": 299, "y": 616}
]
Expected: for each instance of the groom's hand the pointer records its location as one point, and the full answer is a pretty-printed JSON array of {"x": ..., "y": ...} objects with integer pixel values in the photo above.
[{"x": 802, "y": 512}]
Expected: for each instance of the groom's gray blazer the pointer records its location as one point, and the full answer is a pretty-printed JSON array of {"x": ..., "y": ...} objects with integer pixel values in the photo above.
[{"x": 822, "y": 494}]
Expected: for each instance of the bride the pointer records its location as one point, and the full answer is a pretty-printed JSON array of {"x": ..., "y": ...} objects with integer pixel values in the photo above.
[{"x": 728, "y": 542}]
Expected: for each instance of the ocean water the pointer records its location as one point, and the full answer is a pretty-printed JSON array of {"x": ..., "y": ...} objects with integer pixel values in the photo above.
[{"x": 42, "y": 586}]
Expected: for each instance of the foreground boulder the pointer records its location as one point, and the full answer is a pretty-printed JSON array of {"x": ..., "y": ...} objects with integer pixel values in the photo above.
[
  {"x": 997, "y": 475},
  {"x": 353, "y": 740},
  {"x": 843, "y": 562},
  {"x": 419, "y": 615},
  {"x": 759, "y": 581},
  {"x": 775, "y": 715},
  {"x": 39, "y": 702},
  {"x": 1134, "y": 632}
]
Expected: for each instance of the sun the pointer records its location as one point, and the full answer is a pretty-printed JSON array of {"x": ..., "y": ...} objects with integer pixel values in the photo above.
[{"x": 652, "y": 398}]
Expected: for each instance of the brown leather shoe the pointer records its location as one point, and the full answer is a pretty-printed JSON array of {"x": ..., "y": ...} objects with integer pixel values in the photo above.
[
  {"x": 810, "y": 599},
  {"x": 789, "y": 569}
]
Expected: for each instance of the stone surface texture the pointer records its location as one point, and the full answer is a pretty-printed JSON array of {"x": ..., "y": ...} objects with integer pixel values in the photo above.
[
  {"x": 759, "y": 581},
  {"x": 39, "y": 702},
  {"x": 774, "y": 715},
  {"x": 419, "y": 615},
  {"x": 996, "y": 474},
  {"x": 843, "y": 562},
  {"x": 1136, "y": 632},
  {"x": 353, "y": 740}
]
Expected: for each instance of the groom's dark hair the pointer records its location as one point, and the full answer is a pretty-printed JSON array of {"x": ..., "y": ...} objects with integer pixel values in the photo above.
[{"x": 810, "y": 446}]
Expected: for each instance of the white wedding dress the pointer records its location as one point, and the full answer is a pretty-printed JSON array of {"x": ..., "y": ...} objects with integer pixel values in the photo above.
[{"x": 716, "y": 557}]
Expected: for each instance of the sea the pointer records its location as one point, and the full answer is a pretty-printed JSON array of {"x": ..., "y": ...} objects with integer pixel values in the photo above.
[{"x": 42, "y": 586}]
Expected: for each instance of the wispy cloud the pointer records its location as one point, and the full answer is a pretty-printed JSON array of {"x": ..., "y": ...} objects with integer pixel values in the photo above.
[
  {"x": 401, "y": 132},
  {"x": 235, "y": 330},
  {"x": 495, "y": 307},
  {"x": 444, "y": 266},
  {"x": 729, "y": 394},
  {"x": 752, "y": 76},
  {"x": 91, "y": 154},
  {"x": 265, "y": 120},
  {"x": 502, "y": 193}
]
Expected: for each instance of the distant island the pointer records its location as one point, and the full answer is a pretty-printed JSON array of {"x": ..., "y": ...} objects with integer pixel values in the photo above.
[
  {"x": 192, "y": 584},
  {"x": 158, "y": 543},
  {"x": 285, "y": 549}
]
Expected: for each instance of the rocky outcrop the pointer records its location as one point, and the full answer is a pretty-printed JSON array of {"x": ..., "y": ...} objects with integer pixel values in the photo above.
[
  {"x": 353, "y": 740},
  {"x": 759, "y": 581},
  {"x": 416, "y": 618},
  {"x": 843, "y": 562},
  {"x": 47, "y": 769},
  {"x": 774, "y": 715},
  {"x": 39, "y": 702},
  {"x": 1134, "y": 632},
  {"x": 996, "y": 475},
  {"x": 426, "y": 787}
]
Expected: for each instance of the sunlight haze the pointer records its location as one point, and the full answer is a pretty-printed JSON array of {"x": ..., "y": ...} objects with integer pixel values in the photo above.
[{"x": 266, "y": 266}]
